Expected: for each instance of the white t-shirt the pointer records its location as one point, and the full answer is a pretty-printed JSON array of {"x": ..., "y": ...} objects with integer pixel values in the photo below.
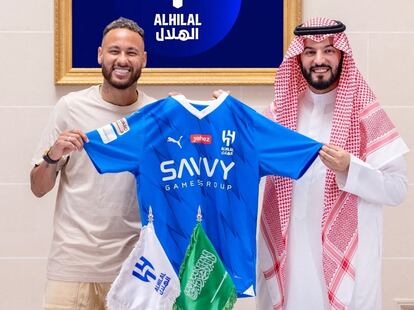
[{"x": 96, "y": 221}]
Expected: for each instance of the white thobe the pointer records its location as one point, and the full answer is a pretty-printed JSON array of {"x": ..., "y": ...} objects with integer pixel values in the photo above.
[
  {"x": 374, "y": 185},
  {"x": 304, "y": 281}
]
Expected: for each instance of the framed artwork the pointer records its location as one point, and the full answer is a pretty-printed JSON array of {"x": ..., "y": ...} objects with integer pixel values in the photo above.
[{"x": 193, "y": 42}]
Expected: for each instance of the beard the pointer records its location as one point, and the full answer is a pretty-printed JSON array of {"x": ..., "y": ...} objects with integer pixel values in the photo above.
[
  {"x": 107, "y": 74},
  {"x": 320, "y": 83}
]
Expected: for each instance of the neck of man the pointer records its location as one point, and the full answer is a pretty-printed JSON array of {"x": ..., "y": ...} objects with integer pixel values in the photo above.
[{"x": 120, "y": 97}]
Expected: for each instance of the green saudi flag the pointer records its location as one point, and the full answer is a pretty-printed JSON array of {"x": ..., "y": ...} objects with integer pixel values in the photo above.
[{"x": 205, "y": 283}]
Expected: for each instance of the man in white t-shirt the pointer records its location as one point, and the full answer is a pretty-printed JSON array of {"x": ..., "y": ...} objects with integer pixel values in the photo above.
[{"x": 96, "y": 222}]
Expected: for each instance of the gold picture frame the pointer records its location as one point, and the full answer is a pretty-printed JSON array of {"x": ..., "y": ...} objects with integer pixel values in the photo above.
[{"x": 65, "y": 74}]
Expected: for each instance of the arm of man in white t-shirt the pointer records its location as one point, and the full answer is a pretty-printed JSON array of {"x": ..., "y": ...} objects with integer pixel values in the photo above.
[{"x": 43, "y": 176}]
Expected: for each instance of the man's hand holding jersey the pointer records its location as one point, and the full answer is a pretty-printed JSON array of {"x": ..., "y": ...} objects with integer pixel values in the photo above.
[{"x": 67, "y": 142}]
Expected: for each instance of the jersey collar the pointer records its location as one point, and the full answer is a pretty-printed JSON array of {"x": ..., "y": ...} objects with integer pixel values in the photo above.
[{"x": 211, "y": 105}]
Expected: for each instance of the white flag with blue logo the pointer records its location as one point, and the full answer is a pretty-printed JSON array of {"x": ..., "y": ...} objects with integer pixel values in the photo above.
[{"x": 147, "y": 279}]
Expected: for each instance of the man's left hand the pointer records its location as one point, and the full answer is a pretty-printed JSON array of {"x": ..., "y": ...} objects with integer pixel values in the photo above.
[{"x": 335, "y": 158}]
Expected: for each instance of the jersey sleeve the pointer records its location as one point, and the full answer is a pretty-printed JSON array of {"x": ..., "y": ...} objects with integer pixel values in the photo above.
[
  {"x": 282, "y": 151},
  {"x": 117, "y": 146}
]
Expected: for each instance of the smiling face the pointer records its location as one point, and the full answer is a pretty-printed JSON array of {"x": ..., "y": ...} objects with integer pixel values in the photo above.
[
  {"x": 321, "y": 65},
  {"x": 122, "y": 57}
]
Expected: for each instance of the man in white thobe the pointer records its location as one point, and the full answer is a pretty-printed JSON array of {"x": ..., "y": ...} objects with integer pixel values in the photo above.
[{"x": 320, "y": 238}]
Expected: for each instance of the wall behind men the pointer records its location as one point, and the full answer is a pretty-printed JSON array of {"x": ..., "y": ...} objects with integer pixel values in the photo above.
[{"x": 381, "y": 34}]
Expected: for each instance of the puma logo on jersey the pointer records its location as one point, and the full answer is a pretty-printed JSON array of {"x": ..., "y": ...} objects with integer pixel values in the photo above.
[{"x": 178, "y": 142}]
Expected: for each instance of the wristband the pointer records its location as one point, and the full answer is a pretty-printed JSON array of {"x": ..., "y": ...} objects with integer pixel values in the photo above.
[{"x": 47, "y": 158}]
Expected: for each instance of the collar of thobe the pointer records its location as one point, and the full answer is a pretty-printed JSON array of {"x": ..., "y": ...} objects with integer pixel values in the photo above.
[{"x": 322, "y": 102}]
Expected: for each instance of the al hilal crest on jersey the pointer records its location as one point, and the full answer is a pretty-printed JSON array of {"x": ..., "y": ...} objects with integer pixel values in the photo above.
[{"x": 212, "y": 154}]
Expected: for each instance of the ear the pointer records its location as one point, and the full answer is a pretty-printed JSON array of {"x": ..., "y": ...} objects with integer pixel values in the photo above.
[{"x": 100, "y": 55}]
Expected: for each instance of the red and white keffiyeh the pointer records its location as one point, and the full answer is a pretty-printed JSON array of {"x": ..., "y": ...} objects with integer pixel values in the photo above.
[{"x": 361, "y": 127}]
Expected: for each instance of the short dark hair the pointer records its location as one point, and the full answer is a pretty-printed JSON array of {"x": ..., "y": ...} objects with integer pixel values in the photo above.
[{"x": 124, "y": 23}]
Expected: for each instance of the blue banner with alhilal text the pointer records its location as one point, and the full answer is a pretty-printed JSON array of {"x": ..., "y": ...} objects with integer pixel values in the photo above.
[{"x": 187, "y": 33}]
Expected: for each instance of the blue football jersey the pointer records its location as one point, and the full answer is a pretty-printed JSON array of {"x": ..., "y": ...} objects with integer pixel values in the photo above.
[{"x": 185, "y": 154}]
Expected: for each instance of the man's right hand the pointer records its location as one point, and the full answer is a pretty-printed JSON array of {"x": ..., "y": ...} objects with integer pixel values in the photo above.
[
  {"x": 43, "y": 176},
  {"x": 67, "y": 142}
]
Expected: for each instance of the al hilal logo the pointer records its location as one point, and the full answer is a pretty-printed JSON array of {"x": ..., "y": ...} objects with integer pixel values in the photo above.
[
  {"x": 228, "y": 137},
  {"x": 177, "y": 3},
  {"x": 146, "y": 271}
]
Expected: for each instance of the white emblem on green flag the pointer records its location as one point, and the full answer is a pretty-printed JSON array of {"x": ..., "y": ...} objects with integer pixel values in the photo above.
[{"x": 205, "y": 283}]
